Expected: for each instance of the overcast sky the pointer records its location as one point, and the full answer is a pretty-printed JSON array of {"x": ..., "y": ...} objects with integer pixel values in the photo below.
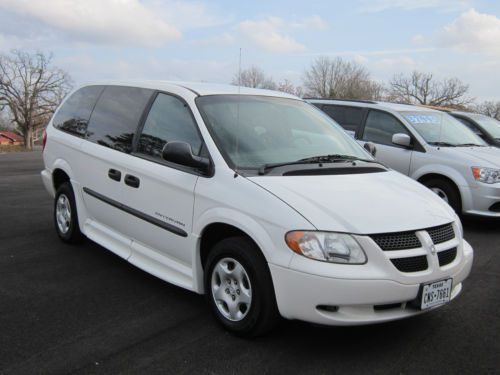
[{"x": 200, "y": 40}]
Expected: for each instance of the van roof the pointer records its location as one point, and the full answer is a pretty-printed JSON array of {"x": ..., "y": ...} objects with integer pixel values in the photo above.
[
  {"x": 374, "y": 104},
  {"x": 199, "y": 88}
]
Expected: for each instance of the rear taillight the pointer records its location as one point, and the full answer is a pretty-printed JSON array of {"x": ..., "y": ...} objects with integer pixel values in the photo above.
[{"x": 44, "y": 140}]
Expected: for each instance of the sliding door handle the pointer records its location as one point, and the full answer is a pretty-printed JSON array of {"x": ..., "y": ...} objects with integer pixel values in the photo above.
[
  {"x": 115, "y": 175},
  {"x": 132, "y": 181}
]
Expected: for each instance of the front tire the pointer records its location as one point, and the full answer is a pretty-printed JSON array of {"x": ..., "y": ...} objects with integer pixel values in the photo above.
[
  {"x": 239, "y": 287},
  {"x": 447, "y": 191},
  {"x": 65, "y": 215}
]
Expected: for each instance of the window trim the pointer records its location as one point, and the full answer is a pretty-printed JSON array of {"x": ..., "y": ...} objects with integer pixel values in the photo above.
[
  {"x": 161, "y": 161},
  {"x": 415, "y": 144}
]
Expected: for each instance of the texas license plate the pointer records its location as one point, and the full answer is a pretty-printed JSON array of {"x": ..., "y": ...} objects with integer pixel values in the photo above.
[{"x": 436, "y": 293}]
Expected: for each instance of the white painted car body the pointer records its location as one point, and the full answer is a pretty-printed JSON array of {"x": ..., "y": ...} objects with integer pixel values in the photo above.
[
  {"x": 265, "y": 208},
  {"x": 454, "y": 164}
]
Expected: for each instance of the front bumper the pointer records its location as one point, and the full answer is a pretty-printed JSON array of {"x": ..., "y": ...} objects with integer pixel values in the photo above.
[
  {"x": 354, "y": 300},
  {"x": 482, "y": 197}
]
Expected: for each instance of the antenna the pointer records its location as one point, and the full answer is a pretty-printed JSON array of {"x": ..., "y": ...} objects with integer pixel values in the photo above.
[{"x": 239, "y": 73}]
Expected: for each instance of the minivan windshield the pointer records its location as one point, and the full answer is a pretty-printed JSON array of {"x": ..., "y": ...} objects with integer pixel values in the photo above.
[
  {"x": 491, "y": 125},
  {"x": 252, "y": 131},
  {"x": 441, "y": 129}
]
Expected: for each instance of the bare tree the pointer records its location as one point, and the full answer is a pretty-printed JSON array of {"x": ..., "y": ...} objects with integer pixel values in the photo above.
[
  {"x": 254, "y": 77},
  {"x": 288, "y": 87},
  {"x": 337, "y": 78},
  {"x": 422, "y": 88},
  {"x": 488, "y": 108},
  {"x": 30, "y": 90}
]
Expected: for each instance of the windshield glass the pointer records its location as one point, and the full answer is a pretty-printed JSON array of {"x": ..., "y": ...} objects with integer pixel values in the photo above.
[
  {"x": 254, "y": 130},
  {"x": 489, "y": 124},
  {"x": 442, "y": 129}
]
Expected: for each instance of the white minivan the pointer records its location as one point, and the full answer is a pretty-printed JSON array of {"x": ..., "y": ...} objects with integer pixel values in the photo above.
[{"x": 252, "y": 197}]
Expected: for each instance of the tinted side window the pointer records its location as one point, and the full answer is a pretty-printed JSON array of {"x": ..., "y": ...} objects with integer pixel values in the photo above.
[
  {"x": 168, "y": 120},
  {"x": 349, "y": 117},
  {"x": 380, "y": 127},
  {"x": 73, "y": 117},
  {"x": 116, "y": 116},
  {"x": 470, "y": 125}
]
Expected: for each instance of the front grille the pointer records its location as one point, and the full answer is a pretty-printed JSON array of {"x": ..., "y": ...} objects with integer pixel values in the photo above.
[
  {"x": 411, "y": 264},
  {"x": 447, "y": 256},
  {"x": 442, "y": 233},
  {"x": 396, "y": 241}
]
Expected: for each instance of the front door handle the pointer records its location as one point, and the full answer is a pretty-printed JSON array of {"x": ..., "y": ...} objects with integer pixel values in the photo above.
[
  {"x": 115, "y": 175},
  {"x": 132, "y": 181}
]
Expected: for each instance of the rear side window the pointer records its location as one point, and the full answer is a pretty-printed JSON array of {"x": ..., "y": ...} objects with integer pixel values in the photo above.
[
  {"x": 349, "y": 117},
  {"x": 381, "y": 126},
  {"x": 168, "y": 120},
  {"x": 470, "y": 125},
  {"x": 73, "y": 117},
  {"x": 116, "y": 116}
]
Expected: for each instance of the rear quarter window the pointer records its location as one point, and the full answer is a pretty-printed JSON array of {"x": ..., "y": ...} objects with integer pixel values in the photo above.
[
  {"x": 350, "y": 118},
  {"x": 116, "y": 117},
  {"x": 73, "y": 116}
]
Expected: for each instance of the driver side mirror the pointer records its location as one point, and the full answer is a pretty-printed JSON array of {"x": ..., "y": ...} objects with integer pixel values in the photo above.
[
  {"x": 181, "y": 153},
  {"x": 370, "y": 147},
  {"x": 401, "y": 139}
]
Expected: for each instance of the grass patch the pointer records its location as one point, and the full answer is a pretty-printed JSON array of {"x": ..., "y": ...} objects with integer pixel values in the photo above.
[{"x": 17, "y": 148}]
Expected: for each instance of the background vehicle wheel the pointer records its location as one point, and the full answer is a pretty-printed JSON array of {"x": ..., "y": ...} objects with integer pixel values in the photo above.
[
  {"x": 65, "y": 215},
  {"x": 446, "y": 191},
  {"x": 239, "y": 287}
]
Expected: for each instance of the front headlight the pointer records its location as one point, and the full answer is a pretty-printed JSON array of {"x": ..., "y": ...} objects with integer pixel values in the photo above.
[
  {"x": 326, "y": 246},
  {"x": 486, "y": 175}
]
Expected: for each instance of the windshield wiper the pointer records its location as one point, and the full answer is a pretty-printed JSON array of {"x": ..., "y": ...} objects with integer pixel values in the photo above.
[
  {"x": 313, "y": 160},
  {"x": 468, "y": 144},
  {"x": 445, "y": 144}
]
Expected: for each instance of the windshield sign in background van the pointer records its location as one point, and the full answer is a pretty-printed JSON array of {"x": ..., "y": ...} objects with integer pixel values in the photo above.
[{"x": 256, "y": 199}]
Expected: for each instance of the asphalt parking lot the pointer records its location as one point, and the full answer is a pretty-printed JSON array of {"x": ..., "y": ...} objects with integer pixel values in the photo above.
[{"x": 81, "y": 309}]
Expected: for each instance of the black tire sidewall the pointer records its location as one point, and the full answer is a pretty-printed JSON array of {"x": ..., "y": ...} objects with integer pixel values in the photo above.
[
  {"x": 261, "y": 316},
  {"x": 73, "y": 234},
  {"x": 450, "y": 190}
]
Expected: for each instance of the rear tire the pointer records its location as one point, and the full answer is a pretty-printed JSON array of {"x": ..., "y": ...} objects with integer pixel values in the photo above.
[
  {"x": 239, "y": 287},
  {"x": 447, "y": 191},
  {"x": 66, "y": 216}
]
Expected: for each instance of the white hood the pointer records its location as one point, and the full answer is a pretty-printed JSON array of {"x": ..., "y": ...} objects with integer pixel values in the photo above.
[{"x": 360, "y": 203}]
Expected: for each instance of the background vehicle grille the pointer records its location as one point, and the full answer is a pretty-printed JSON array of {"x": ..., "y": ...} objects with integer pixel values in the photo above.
[
  {"x": 447, "y": 256},
  {"x": 411, "y": 264},
  {"x": 442, "y": 233},
  {"x": 396, "y": 241}
]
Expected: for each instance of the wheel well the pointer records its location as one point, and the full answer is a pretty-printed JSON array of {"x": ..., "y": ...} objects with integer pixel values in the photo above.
[
  {"x": 216, "y": 232},
  {"x": 58, "y": 178},
  {"x": 423, "y": 179},
  {"x": 431, "y": 176}
]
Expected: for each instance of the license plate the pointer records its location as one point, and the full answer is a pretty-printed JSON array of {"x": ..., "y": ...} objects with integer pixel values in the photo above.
[{"x": 436, "y": 293}]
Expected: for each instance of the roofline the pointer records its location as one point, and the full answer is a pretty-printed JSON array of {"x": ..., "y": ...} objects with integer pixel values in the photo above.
[{"x": 345, "y": 100}]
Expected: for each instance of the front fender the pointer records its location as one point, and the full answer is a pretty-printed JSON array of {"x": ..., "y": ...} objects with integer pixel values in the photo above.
[{"x": 457, "y": 178}]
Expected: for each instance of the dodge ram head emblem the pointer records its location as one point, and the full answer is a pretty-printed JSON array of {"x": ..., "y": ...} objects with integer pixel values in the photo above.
[{"x": 433, "y": 249}]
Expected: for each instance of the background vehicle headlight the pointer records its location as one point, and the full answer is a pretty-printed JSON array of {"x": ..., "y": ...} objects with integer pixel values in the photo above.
[
  {"x": 326, "y": 246},
  {"x": 486, "y": 175}
]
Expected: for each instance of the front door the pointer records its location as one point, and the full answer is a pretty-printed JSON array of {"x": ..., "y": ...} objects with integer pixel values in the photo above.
[{"x": 379, "y": 129}]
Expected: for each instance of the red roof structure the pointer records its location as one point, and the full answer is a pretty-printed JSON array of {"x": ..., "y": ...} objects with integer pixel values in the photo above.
[{"x": 12, "y": 137}]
